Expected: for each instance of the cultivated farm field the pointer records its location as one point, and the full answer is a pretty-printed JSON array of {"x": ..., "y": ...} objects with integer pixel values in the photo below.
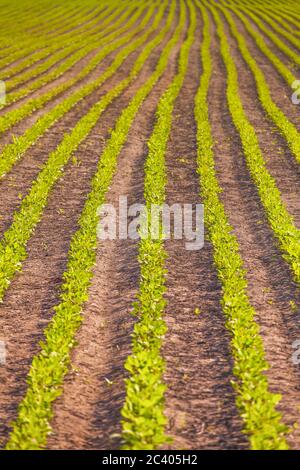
[{"x": 138, "y": 342}]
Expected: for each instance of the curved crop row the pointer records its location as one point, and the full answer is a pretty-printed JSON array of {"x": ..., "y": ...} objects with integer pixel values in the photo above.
[
  {"x": 256, "y": 404},
  {"x": 64, "y": 18},
  {"x": 11, "y": 10},
  {"x": 291, "y": 9},
  {"x": 15, "y": 239},
  {"x": 284, "y": 21},
  {"x": 14, "y": 116},
  {"x": 84, "y": 10},
  {"x": 280, "y": 15},
  {"x": 36, "y": 50},
  {"x": 32, "y": 18},
  {"x": 50, "y": 366},
  {"x": 282, "y": 32},
  {"x": 144, "y": 421},
  {"x": 83, "y": 14},
  {"x": 77, "y": 22},
  {"x": 72, "y": 53},
  {"x": 29, "y": 17},
  {"x": 31, "y": 44},
  {"x": 62, "y": 67},
  {"x": 283, "y": 70},
  {"x": 14, "y": 151},
  {"x": 287, "y": 129},
  {"x": 279, "y": 218},
  {"x": 30, "y": 66},
  {"x": 274, "y": 38}
]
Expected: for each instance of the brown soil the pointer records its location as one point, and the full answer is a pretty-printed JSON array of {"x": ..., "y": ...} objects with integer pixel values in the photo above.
[
  {"x": 200, "y": 402},
  {"x": 41, "y": 277},
  {"x": 115, "y": 284},
  {"x": 281, "y": 92},
  {"x": 97, "y": 401},
  {"x": 20, "y": 177},
  {"x": 286, "y": 59},
  {"x": 271, "y": 287},
  {"x": 279, "y": 158},
  {"x": 70, "y": 73},
  {"x": 196, "y": 347}
]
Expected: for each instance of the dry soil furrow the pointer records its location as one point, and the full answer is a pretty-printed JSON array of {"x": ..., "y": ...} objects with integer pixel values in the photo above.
[
  {"x": 200, "y": 402},
  {"x": 271, "y": 288},
  {"x": 19, "y": 180},
  {"x": 105, "y": 333},
  {"x": 280, "y": 161},
  {"x": 67, "y": 75},
  {"x": 28, "y": 304},
  {"x": 283, "y": 57},
  {"x": 280, "y": 91}
]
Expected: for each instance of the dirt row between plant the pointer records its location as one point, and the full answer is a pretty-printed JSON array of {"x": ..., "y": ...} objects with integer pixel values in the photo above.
[
  {"x": 271, "y": 288},
  {"x": 19, "y": 179},
  {"x": 196, "y": 347},
  {"x": 27, "y": 306},
  {"x": 94, "y": 393},
  {"x": 281, "y": 92},
  {"x": 19, "y": 128},
  {"x": 200, "y": 400},
  {"x": 280, "y": 160}
]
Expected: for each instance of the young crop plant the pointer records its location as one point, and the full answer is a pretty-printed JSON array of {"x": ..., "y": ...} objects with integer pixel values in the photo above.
[
  {"x": 275, "y": 26},
  {"x": 274, "y": 38},
  {"x": 278, "y": 16},
  {"x": 113, "y": 41},
  {"x": 279, "y": 218},
  {"x": 49, "y": 367},
  {"x": 72, "y": 55},
  {"x": 35, "y": 49},
  {"x": 257, "y": 405},
  {"x": 283, "y": 70},
  {"x": 109, "y": 333},
  {"x": 11, "y": 153},
  {"x": 144, "y": 421},
  {"x": 13, "y": 245},
  {"x": 287, "y": 129}
]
